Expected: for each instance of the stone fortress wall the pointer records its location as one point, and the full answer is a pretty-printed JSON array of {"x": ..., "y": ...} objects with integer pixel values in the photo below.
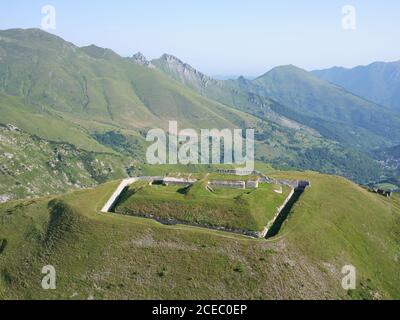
[{"x": 295, "y": 185}]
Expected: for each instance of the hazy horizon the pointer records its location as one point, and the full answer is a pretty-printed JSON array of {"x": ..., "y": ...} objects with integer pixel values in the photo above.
[{"x": 225, "y": 38}]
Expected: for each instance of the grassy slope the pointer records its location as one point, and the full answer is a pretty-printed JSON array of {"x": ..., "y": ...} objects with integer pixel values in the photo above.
[
  {"x": 341, "y": 223},
  {"x": 112, "y": 256},
  {"x": 46, "y": 124},
  {"x": 240, "y": 209}
]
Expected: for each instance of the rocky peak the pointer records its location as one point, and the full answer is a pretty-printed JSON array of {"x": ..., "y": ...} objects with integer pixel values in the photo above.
[
  {"x": 184, "y": 71},
  {"x": 171, "y": 59},
  {"x": 140, "y": 59},
  {"x": 179, "y": 64}
]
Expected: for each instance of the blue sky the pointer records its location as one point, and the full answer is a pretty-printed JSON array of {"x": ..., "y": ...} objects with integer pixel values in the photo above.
[{"x": 225, "y": 36}]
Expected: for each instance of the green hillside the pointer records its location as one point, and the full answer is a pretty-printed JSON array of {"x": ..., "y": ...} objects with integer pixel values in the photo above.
[
  {"x": 96, "y": 85},
  {"x": 109, "y": 256}
]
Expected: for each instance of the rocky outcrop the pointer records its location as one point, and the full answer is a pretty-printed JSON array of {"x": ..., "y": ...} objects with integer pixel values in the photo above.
[
  {"x": 184, "y": 72},
  {"x": 4, "y": 198},
  {"x": 141, "y": 60}
]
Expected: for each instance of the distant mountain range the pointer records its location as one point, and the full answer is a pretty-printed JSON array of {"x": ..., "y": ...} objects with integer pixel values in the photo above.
[
  {"x": 378, "y": 82},
  {"x": 99, "y": 102}
]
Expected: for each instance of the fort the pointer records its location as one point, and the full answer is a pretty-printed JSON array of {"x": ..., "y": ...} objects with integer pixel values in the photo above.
[{"x": 207, "y": 202}]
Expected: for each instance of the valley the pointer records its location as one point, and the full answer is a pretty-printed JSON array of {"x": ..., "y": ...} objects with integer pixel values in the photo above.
[{"x": 78, "y": 192}]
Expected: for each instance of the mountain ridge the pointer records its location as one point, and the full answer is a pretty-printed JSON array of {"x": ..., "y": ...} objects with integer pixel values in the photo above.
[
  {"x": 257, "y": 94},
  {"x": 378, "y": 81},
  {"x": 94, "y": 99}
]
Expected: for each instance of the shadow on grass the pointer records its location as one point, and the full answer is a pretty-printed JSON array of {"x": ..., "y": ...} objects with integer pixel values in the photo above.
[
  {"x": 184, "y": 191},
  {"x": 3, "y": 245},
  {"x": 276, "y": 227},
  {"x": 124, "y": 196}
]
